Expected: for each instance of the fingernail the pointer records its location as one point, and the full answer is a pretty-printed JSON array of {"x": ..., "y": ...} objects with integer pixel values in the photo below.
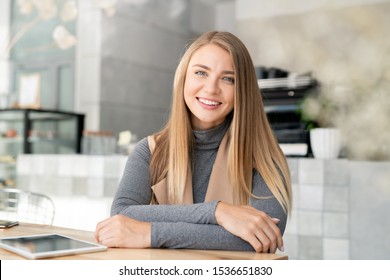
[
  {"x": 276, "y": 220},
  {"x": 282, "y": 249}
]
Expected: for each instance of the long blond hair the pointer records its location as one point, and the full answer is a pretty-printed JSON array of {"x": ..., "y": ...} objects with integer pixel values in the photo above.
[{"x": 252, "y": 144}]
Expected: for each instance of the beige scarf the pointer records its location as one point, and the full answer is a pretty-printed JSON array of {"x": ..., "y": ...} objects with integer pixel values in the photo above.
[{"x": 219, "y": 187}]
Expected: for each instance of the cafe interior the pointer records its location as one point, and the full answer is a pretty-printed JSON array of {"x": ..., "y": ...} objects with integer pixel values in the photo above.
[{"x": 82, "y": 81}]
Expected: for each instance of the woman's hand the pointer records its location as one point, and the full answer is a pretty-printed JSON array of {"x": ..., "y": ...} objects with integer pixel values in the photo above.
[
  {"x": 122, "y": 231},
  {"x": 251, "y": 225}
]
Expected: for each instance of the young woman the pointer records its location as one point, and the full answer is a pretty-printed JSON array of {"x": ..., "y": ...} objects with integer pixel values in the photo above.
[{"x": 214, "y": 177}]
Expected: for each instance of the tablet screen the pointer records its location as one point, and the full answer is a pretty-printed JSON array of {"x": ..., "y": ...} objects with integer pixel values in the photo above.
[{"x": 40, "y": 246}]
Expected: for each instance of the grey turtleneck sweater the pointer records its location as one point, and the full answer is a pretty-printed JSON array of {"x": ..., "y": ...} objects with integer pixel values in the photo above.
[{"x": 186, "y": 226}]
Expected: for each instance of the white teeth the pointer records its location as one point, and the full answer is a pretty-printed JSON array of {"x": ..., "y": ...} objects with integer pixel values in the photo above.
[{"x": 208, "y": 102}]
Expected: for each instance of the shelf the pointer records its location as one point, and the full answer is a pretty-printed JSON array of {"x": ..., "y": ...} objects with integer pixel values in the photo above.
[
  {"x": 36, "y": 140},
  {"x": 7, "y": 164},
  {"x": 292, "y": 82},
  {"x": 54, "y": 141},
  {"x": 36, "y": 131},
  {"x": 31, "y": 121},
  {"x": 5, "y": 140},
  {"x": 17, "y": 115},
  {"x": 281, "y": 108}
]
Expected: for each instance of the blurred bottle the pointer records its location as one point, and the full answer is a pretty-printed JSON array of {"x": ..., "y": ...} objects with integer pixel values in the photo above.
[
  {"x": 98, "y": 143},
  {"x": 86, "y": 142}
]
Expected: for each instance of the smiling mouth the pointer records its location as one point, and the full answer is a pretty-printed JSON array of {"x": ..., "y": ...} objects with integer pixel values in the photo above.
[{"x": 209, "y": 102}]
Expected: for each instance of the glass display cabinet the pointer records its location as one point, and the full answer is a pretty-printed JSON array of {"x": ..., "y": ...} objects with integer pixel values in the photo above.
[{"x": 36, "y": 131}]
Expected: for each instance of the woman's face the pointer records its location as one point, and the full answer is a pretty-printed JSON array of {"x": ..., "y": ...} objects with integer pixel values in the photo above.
[{"x": 209, "y": 86}]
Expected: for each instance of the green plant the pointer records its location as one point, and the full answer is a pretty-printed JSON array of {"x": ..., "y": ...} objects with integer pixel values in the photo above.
[
  {"x": 321, "y": 109},
  {"x": 360, "y": 112},
  {"x": 305, "y": 119}
]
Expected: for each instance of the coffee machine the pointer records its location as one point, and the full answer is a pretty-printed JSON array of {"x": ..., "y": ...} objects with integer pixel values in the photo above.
[{"x": 283, "y": 93}]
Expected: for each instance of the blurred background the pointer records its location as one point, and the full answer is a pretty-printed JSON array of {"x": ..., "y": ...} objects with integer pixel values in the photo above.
[{"x": 82, "y": 81}]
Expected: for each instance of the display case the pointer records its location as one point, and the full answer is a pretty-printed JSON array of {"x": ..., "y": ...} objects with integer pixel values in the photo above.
[{"x": 36, "y": 131}]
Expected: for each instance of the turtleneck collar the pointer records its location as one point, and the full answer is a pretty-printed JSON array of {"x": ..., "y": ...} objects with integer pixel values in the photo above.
[{"x": 211, "y": 138}]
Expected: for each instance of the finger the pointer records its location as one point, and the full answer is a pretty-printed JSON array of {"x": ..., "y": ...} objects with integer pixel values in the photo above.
[
  {"x": 255, "y": 243},
  {"x": 96, "y": 236},
  {"x": 102, "y": 224},
  {"x": 108, "y": 232},
  {"x": 108, "y": 229},
  {"x": 277, "y": 234},
  {"x": 264, "y": 240},
  {"x": 272, "y": 237},
  {"x": 273, "y": 247},
  {"x": 98, "y": 231},
  {"x": 110, "y": 242}
]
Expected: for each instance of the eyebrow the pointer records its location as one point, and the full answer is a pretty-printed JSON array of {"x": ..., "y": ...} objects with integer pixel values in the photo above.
[{"x": 208, "y": 68}]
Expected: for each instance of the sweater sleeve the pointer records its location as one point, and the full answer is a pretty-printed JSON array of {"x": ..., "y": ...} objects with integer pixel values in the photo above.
[
  {"x": 265, "y": 201},
  {"x": 180, "y": 226},
  {"x": 196, "y": 236},
  {"x": 213, "y": 236},
  {"x": 173, "y": 226},
  {"x": 133, "y": 196}
]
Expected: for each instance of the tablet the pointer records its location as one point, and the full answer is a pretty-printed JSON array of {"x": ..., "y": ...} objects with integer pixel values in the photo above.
[
  {"x": 8, "y": 224},
  {"x": 48, "y": 245}
]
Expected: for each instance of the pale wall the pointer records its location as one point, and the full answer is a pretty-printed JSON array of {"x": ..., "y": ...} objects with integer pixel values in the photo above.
[
  {"x": 338, "y": 44},
  {"x": 126, "y": 63}
]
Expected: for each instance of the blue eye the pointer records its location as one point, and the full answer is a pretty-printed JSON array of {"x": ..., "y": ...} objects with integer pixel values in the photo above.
[
  {"x": 229, "y": 79},
  {"x": 201, "y": 73}
]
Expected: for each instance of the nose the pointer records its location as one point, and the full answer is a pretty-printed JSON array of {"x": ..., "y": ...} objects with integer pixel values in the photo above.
[{"x": 212, "y": 86}]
